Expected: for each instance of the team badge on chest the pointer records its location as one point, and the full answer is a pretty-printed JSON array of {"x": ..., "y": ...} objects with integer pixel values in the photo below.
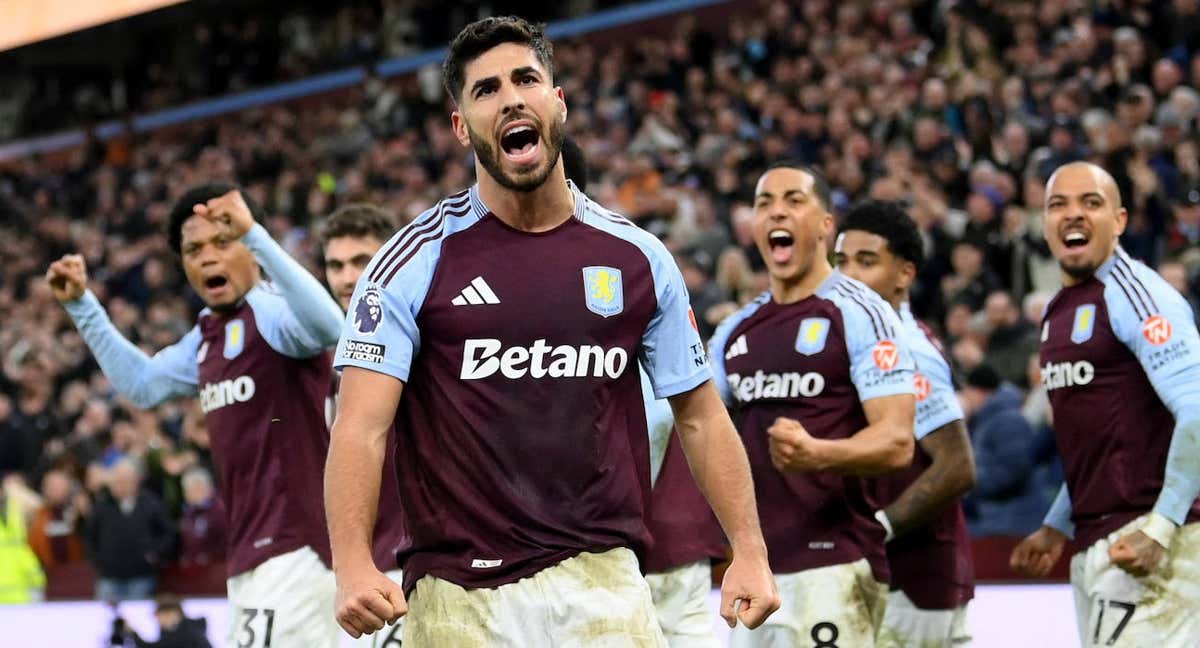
[
  {"x": 602, "y": 290},
  {"x": 235, "y": 339},
  {"x": 1085, "y": 322},
  {"x": 810, "y": 340}
]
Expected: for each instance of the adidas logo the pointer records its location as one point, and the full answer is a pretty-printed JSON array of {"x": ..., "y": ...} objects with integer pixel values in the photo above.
[
  {"x": 478, "y": 292},
  {"x": 737, "y": 348}
]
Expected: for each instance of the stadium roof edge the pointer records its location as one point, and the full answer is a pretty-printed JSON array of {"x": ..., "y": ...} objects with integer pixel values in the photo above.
[{"x": 329, "y": 81}]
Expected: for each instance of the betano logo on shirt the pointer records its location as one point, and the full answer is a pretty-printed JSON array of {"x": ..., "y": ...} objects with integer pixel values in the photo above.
[
  {"x": 775, "y": 385},
  {"x": 214, "y": 396},
  {"x": 484, "y": 358},
  {"x": 1056, "y": 375}
]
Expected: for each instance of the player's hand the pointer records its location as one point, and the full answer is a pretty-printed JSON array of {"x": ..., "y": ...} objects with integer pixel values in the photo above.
[
  {"x": 1038, "y": 553},
  {"x": 367, "y": 600},
  {"x": 230, "y": 209},
  {"x": 67, "y": 278},
  {"x": 748, "y": 591},
  {"x": 1137, "y": 553},
  {"x": 793, "y": 448}
]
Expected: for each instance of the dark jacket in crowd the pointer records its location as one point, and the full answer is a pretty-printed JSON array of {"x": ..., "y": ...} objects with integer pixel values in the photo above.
[
  {"x": 129, "y": 545},
  {"x": 1006, "y": 499}
]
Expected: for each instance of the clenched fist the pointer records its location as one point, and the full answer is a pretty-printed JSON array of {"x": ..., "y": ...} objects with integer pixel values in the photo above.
[
  {"x": 67, "y": 278},
  {"x": 231, "y": 210},
  {"x": 793, "y": 448},
  {"x": 367, "y": 600}
]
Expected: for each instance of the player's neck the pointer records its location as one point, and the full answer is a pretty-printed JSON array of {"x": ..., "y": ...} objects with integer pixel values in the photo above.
[
  {"x": 539, "y": 210},
  {"x": 790, "y": 292},
  {"x": 898, "y": 299}
]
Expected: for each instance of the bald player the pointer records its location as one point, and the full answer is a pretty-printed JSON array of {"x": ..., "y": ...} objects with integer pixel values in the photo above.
[
  {"x": 819, "y": 376},
  {"x": 1120, "y": 359}
]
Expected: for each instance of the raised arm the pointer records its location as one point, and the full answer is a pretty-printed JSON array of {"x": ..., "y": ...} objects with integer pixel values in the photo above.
[
  {"x": 313, "y": 319},
  {"x": 146, "y": 381}
]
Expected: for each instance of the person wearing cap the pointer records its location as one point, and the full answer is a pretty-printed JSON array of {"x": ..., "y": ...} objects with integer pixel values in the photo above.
[{"x": 1184, "y": 230}]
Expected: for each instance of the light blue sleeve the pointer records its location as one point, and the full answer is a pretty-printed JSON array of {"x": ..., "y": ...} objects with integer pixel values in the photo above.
[
  {"x": 881, "y": 362},
  {"x": 305, "y": 320},
  {"x": 937, "y": 403},
  {"x": 1168, "y": 347},
  {"x": 660, "y": 422},
  {"x": 380, "y": 331},
  {"x": 1059, "y": 515},
  {"x": 672, "y": 352},
  {"x": 720, "y": 340},
  {"x": 146, "y": 381}
]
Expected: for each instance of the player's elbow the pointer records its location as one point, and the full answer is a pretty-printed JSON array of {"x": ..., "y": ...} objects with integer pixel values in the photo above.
[{"x": 900, "y": 447}]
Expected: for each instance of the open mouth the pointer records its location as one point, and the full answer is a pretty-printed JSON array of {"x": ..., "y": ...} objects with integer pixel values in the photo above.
[
  {"x": 520, "y": 143},
  {"x": 216, "y": 283},
  {"x": 781, "y": 243},
  {"x": 1075, "y": 240}
]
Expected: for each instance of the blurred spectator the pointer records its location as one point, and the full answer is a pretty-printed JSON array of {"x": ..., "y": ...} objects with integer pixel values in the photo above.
[
  {"x": 56, "y": 534},
  {"x": 129, "y": 536},
  {"x": 175, "y": 630},
  {"x": 1005, "y": 500},
  {"x": 1011, "y": 341},
  {"x": 971, "y": 281},
  {"x": 21, "y": 578},
  {"x": 202, "y": 529}
]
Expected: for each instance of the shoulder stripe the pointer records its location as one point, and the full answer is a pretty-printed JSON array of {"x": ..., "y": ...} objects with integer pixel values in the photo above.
[
  {"x": 417, "y": 244},
  {"x": 1135, "y": 300},
  {"x": 416, "y": 230},
  {"x": 1124, "y": 264},
  {"x": 871, "y": 299},
  {"x": 841, "y": 289},
  {"x": 609, "y": 216}
]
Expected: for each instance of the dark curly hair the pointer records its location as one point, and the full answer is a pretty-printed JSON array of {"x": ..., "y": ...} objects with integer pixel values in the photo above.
[
  {"x": 889, "y": 221},
  {"x": 481, "y": 36},
  {"x": 182, "y": 210}
]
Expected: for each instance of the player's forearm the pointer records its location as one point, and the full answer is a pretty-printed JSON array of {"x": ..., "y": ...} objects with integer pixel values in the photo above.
[
  {"x": 126, "y": 366},
  {"x": 315, "y": 309},
  {"x": 722, "y": 471},
  {"x": 1181, "y": 482},
  {"x": 943, "y": 482},
  {"x": 876, "y": 449},
  {"x": 352, "y": 478}
]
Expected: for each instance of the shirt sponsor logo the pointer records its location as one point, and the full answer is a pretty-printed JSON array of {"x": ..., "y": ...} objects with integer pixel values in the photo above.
[
  {"x": 484, "y": 358},
  {"x": 235, "y": 339},
  {"x": 775, "y": 385},
  {"x": 368, "y": 312},
  {"x": 480, "y": 563},
  {"x": 1085, "y": 323},
  {"x": 1157, "y": 330},
  {"x": 1057, "y": 375},
  {"x": 364, "y": 351},
  {"x": 886, "y": 354},
  {"x": 924, "y": 388},
  {"x": 214, "y": 396},
  {"x": 602, "y": 290},
  {"x": 810, "y": 339}
]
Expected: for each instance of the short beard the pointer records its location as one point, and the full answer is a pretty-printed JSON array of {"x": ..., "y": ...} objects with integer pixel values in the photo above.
[
  {"x": 1078, "y": 273},
  {"x": 490, "y": 160}
]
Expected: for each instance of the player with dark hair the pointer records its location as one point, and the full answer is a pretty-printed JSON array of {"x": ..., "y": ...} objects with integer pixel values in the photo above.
[
  {"x": 820, "y": 378},
  {"x": 349, "y": 238},
  {"x": 928, "y": 550},
  {"x": 504, "y": 350},
  {"x": 257, "y": 360},
  {"x": 1121, "y": 364}
]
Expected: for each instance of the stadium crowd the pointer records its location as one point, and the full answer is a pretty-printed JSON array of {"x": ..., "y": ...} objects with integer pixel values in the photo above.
[{"x": 960, "y": 110}]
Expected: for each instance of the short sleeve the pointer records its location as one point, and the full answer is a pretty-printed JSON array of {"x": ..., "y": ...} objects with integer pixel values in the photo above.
[
  {"x": 1156, "y": 323},
  {"x": 937, "y": 403},
  {"x": 380, "y": 331},
  {"x": 672, "y": 352},
  {"x": 881, "y": 362}
]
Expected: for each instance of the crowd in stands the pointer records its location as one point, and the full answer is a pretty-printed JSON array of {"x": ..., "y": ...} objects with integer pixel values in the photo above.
[{"x": 959, "y": 110}]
